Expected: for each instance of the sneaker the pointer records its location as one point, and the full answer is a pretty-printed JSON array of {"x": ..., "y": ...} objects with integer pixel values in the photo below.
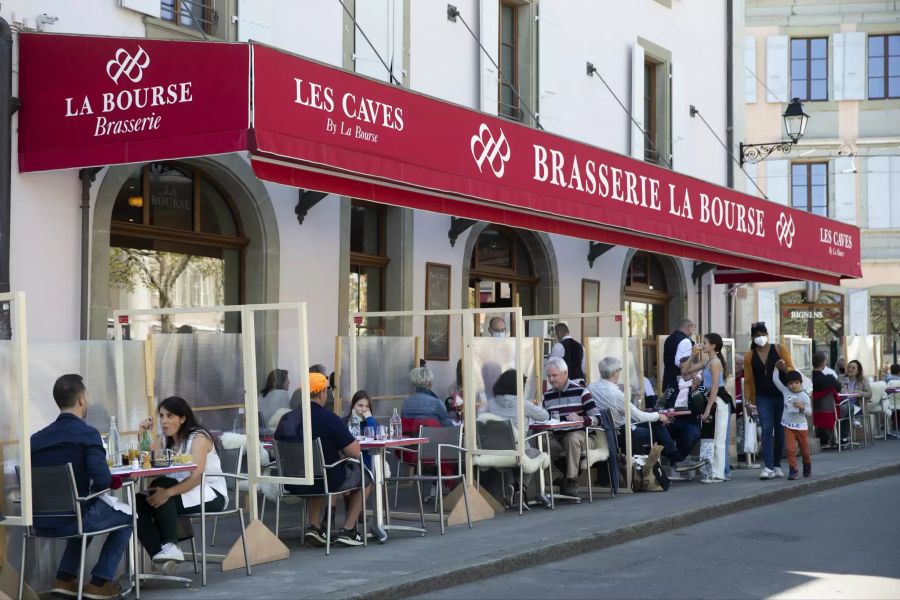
[
  {"x": 349, "y": 537},
  {"x": 793, "y": 475},
  {"x": 67, "y": 588},
  {"x": 767, "y": 473},
  {"x": 169, "y": 552},
  {"x": 674, "y": 475},
  {"x": 691, "y": 465},
  {"x": 712, "y": 480},
  {"x": 777, "y": 472},
  {"x": 807, "y": 470},
  {"x": 109, "y": 589},
  {"x": 314, "y": 536}
]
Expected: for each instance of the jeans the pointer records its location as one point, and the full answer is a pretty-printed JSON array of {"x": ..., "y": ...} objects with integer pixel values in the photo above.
[
  {"x": 158, "y": 526},
  {"x": 640, "y": 436},
  {"x": 686, "y": 433},
  {"x": 98, "y": 517},
  {"x": 770, "y": 412}
]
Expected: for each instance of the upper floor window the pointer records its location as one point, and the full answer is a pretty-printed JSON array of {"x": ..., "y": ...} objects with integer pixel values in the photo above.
[
  {"x": 884, "y": 66},
  {"x": 809, "y": 187},
  {"x": 197, "y": 14},
  {"x": 368, "y": 263},
  {"x": 809, "y": 69},
  {"x": 509, "y": 105}
]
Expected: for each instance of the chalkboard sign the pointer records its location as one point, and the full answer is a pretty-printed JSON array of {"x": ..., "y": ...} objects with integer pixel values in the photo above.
[{"x": 437, "y": 297}]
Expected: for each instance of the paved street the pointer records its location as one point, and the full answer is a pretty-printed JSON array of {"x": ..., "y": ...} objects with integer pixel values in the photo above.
[{"x": 836, "y": 544}]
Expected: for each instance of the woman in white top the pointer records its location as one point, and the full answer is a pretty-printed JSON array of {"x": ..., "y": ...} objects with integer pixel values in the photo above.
[
  {"x": 274, "y": 399},
  {"x": 180, "y": 493}
]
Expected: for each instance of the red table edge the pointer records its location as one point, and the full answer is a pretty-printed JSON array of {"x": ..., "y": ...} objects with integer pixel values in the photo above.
[{"x": 154, "y": 471}]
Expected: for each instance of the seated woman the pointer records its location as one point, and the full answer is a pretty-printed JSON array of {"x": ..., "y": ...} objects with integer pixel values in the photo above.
[
  {"x": 853, "y": 382},
  {"x": 361, "y": 405},
  {"x": 180, "y": 493},
  {"x": 503, "y": 406},
  {"x": 424, "y": 404},
  {"x": 274, "y": 399}
]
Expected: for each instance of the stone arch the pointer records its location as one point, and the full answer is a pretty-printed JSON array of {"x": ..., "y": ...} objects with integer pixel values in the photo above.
[
  {"x": 254, "y": 211},
  {"x": 543, "y": 259}
]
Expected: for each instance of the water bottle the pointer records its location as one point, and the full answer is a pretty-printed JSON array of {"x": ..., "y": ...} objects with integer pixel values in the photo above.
[
  {"x": 113, "y": 444},
  {"x": 354, "y": 424},
  {"x": 396, "y": 426}
]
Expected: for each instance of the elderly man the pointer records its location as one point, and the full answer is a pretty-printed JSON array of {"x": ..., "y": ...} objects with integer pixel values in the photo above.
[
  {"x": 573, "y": 403},
  {"x": 496, "y": 327},
  {"x": 336, "y": 441},
  {"x": 424, "y": 404},
  {"x": 568, "y": 349}
]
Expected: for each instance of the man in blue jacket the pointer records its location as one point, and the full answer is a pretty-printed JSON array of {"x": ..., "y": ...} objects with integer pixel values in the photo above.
[{"x": 70, "y": 440}]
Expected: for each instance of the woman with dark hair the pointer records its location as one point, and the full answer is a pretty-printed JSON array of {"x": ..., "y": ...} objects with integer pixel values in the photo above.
[
  {"x": 716, "y": 415},
  {"x": 760, "y": 393},
  {"x": 853, "y": 382},
  {"x": 361, "y": 405},
  {"x": 274, "y": 396},
  {"x": 180, "y": 493}
]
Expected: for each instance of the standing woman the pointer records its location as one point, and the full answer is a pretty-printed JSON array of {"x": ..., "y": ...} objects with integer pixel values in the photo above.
[
  {"x": 179, "y": 494},
  {"x": 760, "y": 393},
  {"x": 717, "y": 414}
]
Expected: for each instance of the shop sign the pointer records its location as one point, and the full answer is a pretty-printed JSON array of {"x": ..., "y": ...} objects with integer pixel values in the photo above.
[
  {"x": 93, "y": 101},
  {"x": 331, "y": 125}
]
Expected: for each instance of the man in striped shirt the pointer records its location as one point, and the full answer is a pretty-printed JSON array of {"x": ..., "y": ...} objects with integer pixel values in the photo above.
[{"x": 573, "y": 403}]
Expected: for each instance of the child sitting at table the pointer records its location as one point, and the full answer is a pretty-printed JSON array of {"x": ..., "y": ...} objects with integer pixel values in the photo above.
[
  {"x": 797, "y": 406},
  {"x": 361, "y": 405}
]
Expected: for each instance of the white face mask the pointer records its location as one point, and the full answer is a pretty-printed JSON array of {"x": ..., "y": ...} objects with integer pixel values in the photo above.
[
  {"x": 761, "y": 340},
  {"x": 498, "y": 334}
]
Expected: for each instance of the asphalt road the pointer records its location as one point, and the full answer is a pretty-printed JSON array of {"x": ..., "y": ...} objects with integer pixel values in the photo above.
[{"x": 842, "y": 543}]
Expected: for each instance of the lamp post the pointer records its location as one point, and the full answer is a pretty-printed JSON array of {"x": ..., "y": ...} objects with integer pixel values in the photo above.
[{"x": 794, "y": 124}]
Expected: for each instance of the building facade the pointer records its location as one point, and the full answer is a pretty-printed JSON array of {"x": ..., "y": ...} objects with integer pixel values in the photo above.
[
  {"x": 842, "y": 60},
  {"x": 206, "y": 231}
]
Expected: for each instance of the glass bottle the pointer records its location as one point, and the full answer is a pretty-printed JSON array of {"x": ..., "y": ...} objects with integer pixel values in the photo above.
[
  {"x": 396, "y": 426},
  {"x": 113, "y": 443}
]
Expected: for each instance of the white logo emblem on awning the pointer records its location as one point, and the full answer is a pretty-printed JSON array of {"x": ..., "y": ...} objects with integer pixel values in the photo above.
[
  {"x": 785, "y": 230},
  {"x": 486, "y": 148},
  {"x": 130, "y": 66}
]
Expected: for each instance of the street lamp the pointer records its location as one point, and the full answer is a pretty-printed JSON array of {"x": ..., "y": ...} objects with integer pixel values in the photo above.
[{"x": 795, "y": 121}]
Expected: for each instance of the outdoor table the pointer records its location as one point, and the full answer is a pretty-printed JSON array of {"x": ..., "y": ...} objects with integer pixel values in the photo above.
[
  {"x": 141, "y": 473},
  {"x": 376, "y": 449}
]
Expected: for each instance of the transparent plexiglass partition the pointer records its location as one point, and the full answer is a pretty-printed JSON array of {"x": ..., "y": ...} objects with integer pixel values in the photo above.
[
  {"x": 599, "y": 348},
  {"x": 383, "y": 364},
  {"x": 867, "y": 350},
  {"x": 14, "y": 405},
  {"x": 492, "y": 356},
  {"x": 801, "y": 351}
]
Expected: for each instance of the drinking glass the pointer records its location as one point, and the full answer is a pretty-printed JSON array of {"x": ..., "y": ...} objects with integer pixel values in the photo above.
[
  {"x": 381, "y": 433},
  {"x": 370, "y": 433}
]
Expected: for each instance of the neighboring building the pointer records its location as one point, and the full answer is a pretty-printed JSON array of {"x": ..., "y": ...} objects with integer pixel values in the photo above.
[
  {"x": 346, "y": 255},
  {"x": 842, "y": 60}
]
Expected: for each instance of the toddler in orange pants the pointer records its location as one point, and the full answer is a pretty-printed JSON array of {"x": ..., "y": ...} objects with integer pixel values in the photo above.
[{"x": 797, "y": 406}]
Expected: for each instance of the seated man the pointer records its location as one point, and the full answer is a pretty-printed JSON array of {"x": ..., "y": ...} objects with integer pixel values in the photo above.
[
  {"x": 573, "y": 403},
  {"x": 336, "y": 440},
  {"x": 70, "y": 440}
]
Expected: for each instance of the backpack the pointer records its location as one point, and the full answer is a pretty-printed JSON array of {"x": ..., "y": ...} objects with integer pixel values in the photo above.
[{"x": 650, "y": 476}]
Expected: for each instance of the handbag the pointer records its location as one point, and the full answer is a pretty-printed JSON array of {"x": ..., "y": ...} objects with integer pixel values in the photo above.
[
  {"x": 697, "y": 401},
  {"x": 750, "y": 437},
  {"x": 650, "y": 476}
]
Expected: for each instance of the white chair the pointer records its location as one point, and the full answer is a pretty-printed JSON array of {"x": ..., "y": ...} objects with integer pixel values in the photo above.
[{"x": 879, "y": 405}]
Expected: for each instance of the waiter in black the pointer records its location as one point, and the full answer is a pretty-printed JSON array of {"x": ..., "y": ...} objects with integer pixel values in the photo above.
[
  {"x": 677, "y": 347},
  {"x": 568, "y": 349}
]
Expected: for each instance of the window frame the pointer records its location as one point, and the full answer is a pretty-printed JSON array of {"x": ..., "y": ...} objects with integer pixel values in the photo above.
[
  {"x": 808, "y": 186},
  {"x": 207, "y": 21},
  {"x": 807, "y": 97},
  {"x": 651, "y": 155},
  {"x": 886, "y": 76},
  {"x": 515, "y": 111},
  {"x": 378, "y": 261}
]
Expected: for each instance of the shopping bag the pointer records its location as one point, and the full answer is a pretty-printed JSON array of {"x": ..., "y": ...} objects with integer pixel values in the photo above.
[{"x": 750, "y": 437}]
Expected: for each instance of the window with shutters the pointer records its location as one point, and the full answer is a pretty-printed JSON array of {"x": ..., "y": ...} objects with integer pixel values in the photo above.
[
  {"x": 510, "y": 104},
  {"x": 368, "y": 262},
  {"x": 884, "y": 66},
  {"x": 809, "y": 187},
  {"x": 809, "y": 68}
]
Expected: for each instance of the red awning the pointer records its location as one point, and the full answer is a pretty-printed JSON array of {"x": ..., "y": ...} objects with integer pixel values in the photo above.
[
  {"x": 321, "y": 128},
  {"x": 729, "y": 275}
]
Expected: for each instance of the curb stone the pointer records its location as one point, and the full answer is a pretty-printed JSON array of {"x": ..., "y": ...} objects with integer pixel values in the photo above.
[{"x": 491, "y": 565}]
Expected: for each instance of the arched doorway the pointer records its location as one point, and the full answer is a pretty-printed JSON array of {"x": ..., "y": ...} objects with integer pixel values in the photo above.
[
  {"x": 507, "y": 267},
  {"x": 175, "y": 241},
  {"x": 653, "y": 298}
]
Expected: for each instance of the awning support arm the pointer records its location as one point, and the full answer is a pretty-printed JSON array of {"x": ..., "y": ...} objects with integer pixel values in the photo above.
[
  {"x": 701, "y": 269},
  {"x": 307, "y": 200},
  {"x": 596, "y": 250},
  {"x": 457, "y": 226}
]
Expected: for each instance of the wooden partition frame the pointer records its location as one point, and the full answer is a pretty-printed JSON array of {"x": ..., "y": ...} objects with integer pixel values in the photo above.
[
  {"x": 17, "y": 306},
  {"x": 622, "y": 317}
]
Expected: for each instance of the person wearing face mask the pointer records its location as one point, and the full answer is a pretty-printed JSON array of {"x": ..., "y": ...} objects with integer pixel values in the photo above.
[
  {"x": 761, "y": 394},
  {"x": 496, "y": 327}
]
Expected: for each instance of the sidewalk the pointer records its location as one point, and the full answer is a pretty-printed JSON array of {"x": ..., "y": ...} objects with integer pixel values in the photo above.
[{"x": 409, "y": 564}]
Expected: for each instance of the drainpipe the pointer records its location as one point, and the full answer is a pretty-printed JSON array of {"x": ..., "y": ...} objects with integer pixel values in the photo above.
[
  {"x": 87, "y": 177},
  {"x": 729, "y": 90},
  {"x": 8, "y": 106}
]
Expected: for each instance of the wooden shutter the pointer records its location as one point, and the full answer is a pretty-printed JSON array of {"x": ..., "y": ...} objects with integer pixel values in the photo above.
[
  {"x": 489, "y": 32},
  {"x": 777, "y": 76},
  {"x": 750, "y": 69},
  {"x": 844, "y": 190},
  {"x": 778, "y": 181}
]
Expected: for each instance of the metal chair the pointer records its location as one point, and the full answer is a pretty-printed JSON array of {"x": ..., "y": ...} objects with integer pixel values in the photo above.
[
  {"x": 290, "y": 459},
  {"x": 55, "y": 494},
  {"x": 498, "y": 434},
  {"x": 838, "y": 409},
  {"x": 592, "y": 456},
  {"x": 440, "y": 441},
  {"x": 230, "y": 460}
]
